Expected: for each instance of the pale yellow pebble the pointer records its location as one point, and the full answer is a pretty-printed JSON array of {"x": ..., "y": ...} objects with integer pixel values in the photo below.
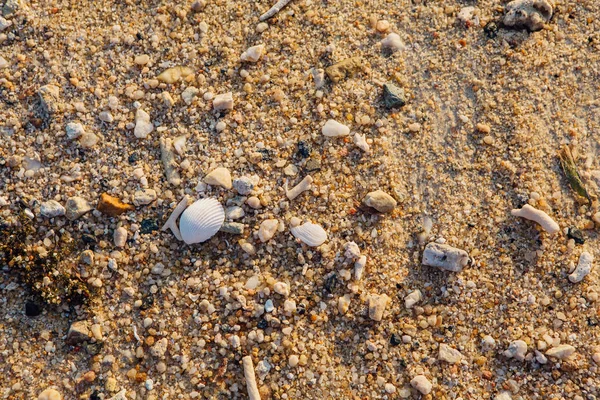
[{"x": 142, "y": 59}]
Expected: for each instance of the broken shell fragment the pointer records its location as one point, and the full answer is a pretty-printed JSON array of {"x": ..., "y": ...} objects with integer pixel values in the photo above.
[
  {"x": 311, "y": 234},
  {"x": 253, "y": 54},
  {"x": 201, "y": 221}
]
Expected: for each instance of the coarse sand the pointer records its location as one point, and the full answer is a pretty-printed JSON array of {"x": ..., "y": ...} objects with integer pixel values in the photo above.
[{"x": 113, "y": 113}]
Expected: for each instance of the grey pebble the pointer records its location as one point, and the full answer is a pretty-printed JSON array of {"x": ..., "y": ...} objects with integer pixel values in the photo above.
[{"x": 232, "y": 227}]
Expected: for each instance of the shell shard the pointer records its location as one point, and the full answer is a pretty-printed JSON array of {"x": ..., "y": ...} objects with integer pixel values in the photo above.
[
  {"x": 311, "y": 234},
  {"x": 201, "y": 221}
]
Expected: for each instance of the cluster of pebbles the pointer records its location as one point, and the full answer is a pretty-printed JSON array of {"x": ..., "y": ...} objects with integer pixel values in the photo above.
[{"x": 305, "y": 199}]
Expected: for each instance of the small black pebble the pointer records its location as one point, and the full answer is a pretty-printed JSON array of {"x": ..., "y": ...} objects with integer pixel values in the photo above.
[
  {"x": 331, "y": 283},
  {"x": 267, "y": 154},
  {"x": 491, "y": 29},
  {"x": 148, "y": 225},
  {"x": 262, "y": 324},
  {"x": 147, "y": 301},
  {"x": 139, "y": 36},
  {"x": 32, "y": 309},
  {"x": 95, "y": 396},
  {"x": 89, "y": 239},
  {"x": 576, "y": 235},
  {"x": 303, "y": 149},
  {"x": 93, "y": 348},
  {"x": 301, "y": 309},
  {"x": 395, "y": 340},
  {"x": 133, "y": 158}
]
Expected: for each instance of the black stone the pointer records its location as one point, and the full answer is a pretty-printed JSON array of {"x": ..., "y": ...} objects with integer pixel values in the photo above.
[
  {"x": 395, "y": 339},
  {"x": 32, "y": 309},
  {"x": 267, "y": 154},
  {"x": 303, "y": 149},
  {"x": 301, "y": 309},
  {"x": 491, "y": 29},
  {"x": 89, "y": 239},
  {"x": 576, "y": 235},
  {"x": 93, "y": 348},
  {"x": 148, "y": 225},
  {"x": 331, "y": 283},
  {"x": 147, "y": 301},
  {"x": 133, "y": 158},
  {"x": 262, "y": 324},
  {"x": 95, "y": 396},
  {"x": 393, "y": 96}
]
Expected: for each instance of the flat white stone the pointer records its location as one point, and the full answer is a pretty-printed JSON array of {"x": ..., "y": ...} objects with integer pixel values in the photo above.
[
  {"x": 332, "y": 128},
  {"x": 253, "y": 54},
  {"x": 223, "y": 102},
  {"x": 422, "y": 384},
  {"x": 219, "y": 177},
  {"x": 448, "y": 354},
  {"x": 561, "y": 352}
]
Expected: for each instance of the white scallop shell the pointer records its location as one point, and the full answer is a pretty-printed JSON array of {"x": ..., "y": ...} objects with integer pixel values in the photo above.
[
  {"x": 201, "y": 221},
  {"x": 311, "y": 234}
]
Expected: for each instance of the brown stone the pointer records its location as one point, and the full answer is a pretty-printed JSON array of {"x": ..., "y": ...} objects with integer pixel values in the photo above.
[
  {"x": 112, "y": 206},
  {"x": 89, "y": 376},
  {"x": 79, "y": 332}
]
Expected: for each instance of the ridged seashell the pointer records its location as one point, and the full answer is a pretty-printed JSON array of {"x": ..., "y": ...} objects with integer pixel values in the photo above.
[
  {"x": 311, "y": 234},
  {"x": 201, "y": 221}
]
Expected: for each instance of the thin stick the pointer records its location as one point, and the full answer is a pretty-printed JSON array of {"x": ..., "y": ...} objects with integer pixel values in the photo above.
[
  {"x": 250, "y": 378},
  {"x": 274, "y": 10}
]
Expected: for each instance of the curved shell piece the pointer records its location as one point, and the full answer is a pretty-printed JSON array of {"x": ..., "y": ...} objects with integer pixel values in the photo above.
[
  {"x": 311, "y": 234},
  {"x": 201, "y": 221}
]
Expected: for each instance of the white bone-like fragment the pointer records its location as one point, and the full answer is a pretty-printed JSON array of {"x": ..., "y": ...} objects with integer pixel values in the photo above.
[
  {"x": 304, "y": 185},
  {"x": 172, "y": 221},
  {"x": 533, "y": 214}
]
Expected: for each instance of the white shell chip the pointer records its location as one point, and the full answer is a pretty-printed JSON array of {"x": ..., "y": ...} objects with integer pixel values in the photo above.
[{"x": 311, "y": 234}]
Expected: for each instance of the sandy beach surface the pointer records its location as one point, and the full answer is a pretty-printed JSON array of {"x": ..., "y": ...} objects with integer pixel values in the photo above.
[{"x": 385, "y": 199}]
